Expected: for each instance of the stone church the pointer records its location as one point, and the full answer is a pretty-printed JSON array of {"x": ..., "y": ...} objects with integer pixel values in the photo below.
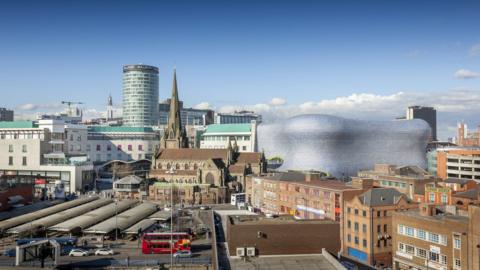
[{"x": 197, "y": 176}]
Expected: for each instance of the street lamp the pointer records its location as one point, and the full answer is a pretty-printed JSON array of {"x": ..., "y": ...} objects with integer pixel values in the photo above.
[{"x": 171, "y": 172}]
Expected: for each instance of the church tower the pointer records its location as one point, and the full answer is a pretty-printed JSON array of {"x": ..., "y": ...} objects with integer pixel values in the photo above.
[
  {"x": 109, "y": 108},
  {"x": 174, "y": 135}
]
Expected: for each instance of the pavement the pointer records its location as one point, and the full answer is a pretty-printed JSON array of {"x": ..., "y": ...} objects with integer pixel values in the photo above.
[{"x": 299, "y": 262}]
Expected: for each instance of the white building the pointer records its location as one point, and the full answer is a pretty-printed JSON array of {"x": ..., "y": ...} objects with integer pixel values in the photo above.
[
  {"x": 49, "y": 154},
  {"x": 218, "y": 136},
  {"x": 106, "y": 143}
]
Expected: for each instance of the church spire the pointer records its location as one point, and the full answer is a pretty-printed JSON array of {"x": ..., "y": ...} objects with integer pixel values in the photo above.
[{"x": 174, "y": 135}]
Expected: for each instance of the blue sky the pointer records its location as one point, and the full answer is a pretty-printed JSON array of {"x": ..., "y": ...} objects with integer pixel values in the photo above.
[{"x": 232, "y": 53}]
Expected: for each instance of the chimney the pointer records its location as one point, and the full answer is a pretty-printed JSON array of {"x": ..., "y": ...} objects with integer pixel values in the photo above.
[{"x": 362, "y": 183}]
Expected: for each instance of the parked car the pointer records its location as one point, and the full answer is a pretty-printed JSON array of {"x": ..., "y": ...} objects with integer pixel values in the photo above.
[
  {"x": 9, "y": 253},
  {"x": 204, "y": 207},
  {"x": 77, "y": 252},
  {"x": 104, "y": 251},
  {"x": 182, "y": 254}
]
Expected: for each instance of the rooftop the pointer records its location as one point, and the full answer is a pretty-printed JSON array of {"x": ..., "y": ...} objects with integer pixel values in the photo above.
[
  {"x": 18, "y": 124},
  {"x": 193, "y": 154},
  {"x": 130, "y": 179},
  {"x": 228, "y": 128},
  {"x": 469, "y": 194},
  {"x": 279, "y": 220},
  {"x": 293, "y": 262},
  {"x": 301, "y": 178},
  {"x": 380, "y": 197},
  {"x": 415, "y": 213},
  {"x": 118, "y": 129}
]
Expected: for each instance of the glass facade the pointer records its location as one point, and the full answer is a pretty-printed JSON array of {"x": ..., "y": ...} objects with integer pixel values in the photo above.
[{"x": 140, "y": 95}]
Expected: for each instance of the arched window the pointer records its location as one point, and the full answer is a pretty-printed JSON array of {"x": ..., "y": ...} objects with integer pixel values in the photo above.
[
  {"x": 186, "y": 166},
  {"x": 209, "y": 179},
  {"x": 177, "y": 166},
  {"x": 168, "y": 166},
  {"x": 195, "y": 166}
]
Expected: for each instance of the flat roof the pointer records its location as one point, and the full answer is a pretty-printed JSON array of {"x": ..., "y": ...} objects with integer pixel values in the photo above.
[
  {"x": 17, "y": 124},
  {"x": 436, "y": 218},
  {"x": 119, "y": 129},
  {"x": 287, "y": 262},
  {"x": 279, "y": 220},
  {"x": 228, "y": 128}
]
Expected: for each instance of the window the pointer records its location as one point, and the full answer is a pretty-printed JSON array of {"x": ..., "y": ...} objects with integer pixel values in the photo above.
[
  {"x": 356, "y": 240},
  {"x": 457, "y": 242},
  {"x": 443, "y": 259},
  {"x": 434, "y": 257},
  {"x": 385, "y": 213},
  {"x": 10, "y": 160},
  {"x": 379, "y": 228},
  {"x": 409, "y": 231},
  {"x": 433, "y": 237},
  {"x": 349, "y": 224},
  {"x": 119, "y": 147},
  {"x": 349, "y": 238},
  {"x": 385, "y": 228},
  {"x": 99, "y": 148},
  {"x": 443, "y": 240},
  {"x": 348, "y": 210},
  {"x": 457, "y": 264},
  {"x": 364, "y": 228},
  {"x": 364, "y": 213},
  {"x": 24, "y": 161},
  {"x": 421, "y": 253},
  {"x": 401, "y": 247},
  {"x": 421, "y": 234},
  {"x": 24, "y": 148},
  {"x": 356, "y": 226},
  {"x": 409, "y": 249},
  {"x": 364, "y": 242},
  {"x": 130, "y": 147},
  {"x": 109, "y": 147},
  {"x": 140, "y": 147},
  {"x": 379, "y": 213},
  {"x": 431, "y": 197},
  {"x": 88, "y": 147},
  {"x": 10, "y": 148},
  {"x": 444, "y": 198},
  {"x": 356, "y": 211},
  {"x": 401, "y": 229}
]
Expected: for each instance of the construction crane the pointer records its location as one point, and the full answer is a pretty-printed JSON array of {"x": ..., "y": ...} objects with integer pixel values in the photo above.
[{"x": 69, "y": 104}]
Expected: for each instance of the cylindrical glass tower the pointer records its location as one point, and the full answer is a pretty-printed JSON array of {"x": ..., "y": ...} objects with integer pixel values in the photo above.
[{"x": 140, "y": 95}]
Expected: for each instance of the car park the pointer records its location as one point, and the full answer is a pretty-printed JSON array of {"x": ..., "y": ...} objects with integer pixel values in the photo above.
[
  {"x": 104, "y": 251},
  {"x": 77, "y": 252}
]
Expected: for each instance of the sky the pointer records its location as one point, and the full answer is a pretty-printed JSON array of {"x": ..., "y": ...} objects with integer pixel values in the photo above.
[{"x": 358, "y": 59}]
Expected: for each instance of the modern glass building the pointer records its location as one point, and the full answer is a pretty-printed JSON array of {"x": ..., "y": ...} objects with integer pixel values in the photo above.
[{"x": 140, "y": 95}]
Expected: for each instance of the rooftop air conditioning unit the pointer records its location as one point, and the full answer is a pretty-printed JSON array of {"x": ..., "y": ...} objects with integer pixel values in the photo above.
[
  {"x": 251, "y": 252},
  {"x": 240, "y": 252}
]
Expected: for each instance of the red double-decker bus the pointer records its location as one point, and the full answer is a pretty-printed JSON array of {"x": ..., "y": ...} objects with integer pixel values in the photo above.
[{"x": 156, "y": 243}]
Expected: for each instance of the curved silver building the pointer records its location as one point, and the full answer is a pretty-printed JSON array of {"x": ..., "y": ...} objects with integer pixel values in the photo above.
[
  {"x": 341, "y": 146},
  {"x": 140, "y": 95}
]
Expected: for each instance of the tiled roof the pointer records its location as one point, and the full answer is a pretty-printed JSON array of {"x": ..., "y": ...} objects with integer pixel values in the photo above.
[
  {"x": 236, "y": 169},
  {"x": 380, "y": 197},
  {"x": 118, "y": 129},
  {"x": 249, "y": 157},
  {"x": 469, "y": 194},
  {"x": 17, "y": 124},
  {"x": 228, "y": 128},
  {"x": 457, "y": 180},
  {"x": 193, "y": 154}
]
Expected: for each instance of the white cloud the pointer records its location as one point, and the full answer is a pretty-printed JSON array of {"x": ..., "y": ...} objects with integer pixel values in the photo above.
[
  {"x": 276, "y": 101},
  {"x": 202, "y": 106},
  {"x": 35, "y": 107},
  {"x": 475, "y": 50},
  {"x": 466, "y": 74}
]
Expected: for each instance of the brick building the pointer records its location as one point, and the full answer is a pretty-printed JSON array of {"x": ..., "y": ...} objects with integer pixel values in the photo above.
[
  {"x": 305, "y": 195},
  {"x": 368, "y": 225},
  {"x": 409, "y": 180},
  {"x": 430, "y": 238}
]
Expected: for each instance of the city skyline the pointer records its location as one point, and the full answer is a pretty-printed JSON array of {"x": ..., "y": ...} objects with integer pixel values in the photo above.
[{"x": 273, "y": 59}]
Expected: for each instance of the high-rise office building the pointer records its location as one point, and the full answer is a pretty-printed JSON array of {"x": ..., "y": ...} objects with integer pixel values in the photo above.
[
  {"x": 6, "y": 115},
  {"x": 428, "y": 114},
  {"x": 140, "y": 95},
  {"x": 241, "y": 117}
]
